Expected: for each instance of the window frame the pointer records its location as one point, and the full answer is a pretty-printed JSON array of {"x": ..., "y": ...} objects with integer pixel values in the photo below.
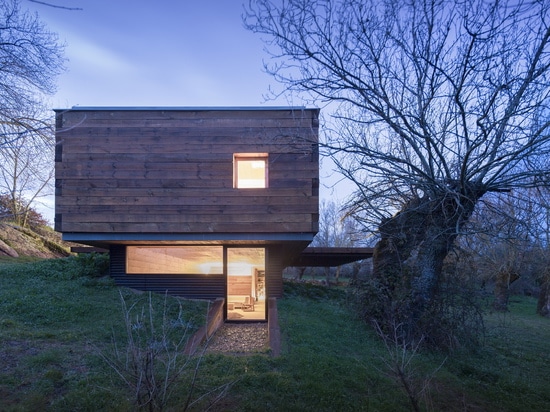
[{"x": 250, "y": 157}]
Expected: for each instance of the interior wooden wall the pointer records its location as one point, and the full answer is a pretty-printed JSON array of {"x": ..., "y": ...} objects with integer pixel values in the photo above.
[{"x": 239, "y": 285}]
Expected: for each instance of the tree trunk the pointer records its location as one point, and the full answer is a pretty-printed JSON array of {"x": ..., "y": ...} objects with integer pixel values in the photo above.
[
  {"x": 505, "y": 277},
  {"x": 429, "y": 266},
  {"x": 408, "y": 259},
  {"x": 543, "y": 304}
]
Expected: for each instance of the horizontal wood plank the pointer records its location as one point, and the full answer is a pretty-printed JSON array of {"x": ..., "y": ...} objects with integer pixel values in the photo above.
[
  {"x": 298, "y": 163},
  {"x": 266, "y": 218},
  {"x": 248, "y": 201},
  {"x": 307, "y": 207},
  {"x": 187, "y": 192},
  {"x": 175, "y": 183},
  {"x": 162, "y": 227},
  {"x": 130, "y": 132},
  {"x": 185, "y": 119},
  {"x": 187, "y": 157},
  {"x": 181, "y": 149}
]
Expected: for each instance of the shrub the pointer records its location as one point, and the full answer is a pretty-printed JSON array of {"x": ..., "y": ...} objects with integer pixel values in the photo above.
[
  {"x": 20, "y": 212},
  {"x": 453, "y": 319},
  {"x": 93, "y": 264},
  {"x": 150, "y": 358}
]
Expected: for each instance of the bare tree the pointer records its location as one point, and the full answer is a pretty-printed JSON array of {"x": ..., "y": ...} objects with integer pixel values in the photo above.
[
  {"x": 55, "y": 6},
  {"x": 513, "y": 243},
  {"x": 26, "y": 170},
  {"x": 30, "y": 60},
  {"x": 336, "y": 229},
  {"x": 541, "y": 199},
  {"x": 437, "y": 103},
  {"x": 503, "y": 242}
]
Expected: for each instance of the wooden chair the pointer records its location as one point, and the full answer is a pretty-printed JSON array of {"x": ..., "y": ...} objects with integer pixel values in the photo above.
[{"x": 248, "y": 304}]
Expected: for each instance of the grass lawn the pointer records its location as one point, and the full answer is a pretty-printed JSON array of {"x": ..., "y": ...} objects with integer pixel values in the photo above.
[{"x": 58, "y": 330}]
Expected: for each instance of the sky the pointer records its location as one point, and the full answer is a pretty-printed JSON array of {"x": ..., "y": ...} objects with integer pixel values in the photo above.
[
  {"x": 157, "y": 53},
  {"x": 161, "y": 53}
]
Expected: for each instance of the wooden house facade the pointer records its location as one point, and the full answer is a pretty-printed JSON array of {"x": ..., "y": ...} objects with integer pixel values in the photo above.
[{"x": 199, "y": 202}]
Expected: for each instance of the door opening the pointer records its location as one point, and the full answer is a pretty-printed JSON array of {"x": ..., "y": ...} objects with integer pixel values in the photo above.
[{"x": 246, "y": 286}]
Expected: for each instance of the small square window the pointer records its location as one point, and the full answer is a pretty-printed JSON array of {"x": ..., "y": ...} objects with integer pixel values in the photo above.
[{"x": 250, "y": 170}]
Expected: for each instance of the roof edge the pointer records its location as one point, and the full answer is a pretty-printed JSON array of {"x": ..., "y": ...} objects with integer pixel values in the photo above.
[
  {"x": 167, "y": 237},
  {"x": 183, "y": 108}
]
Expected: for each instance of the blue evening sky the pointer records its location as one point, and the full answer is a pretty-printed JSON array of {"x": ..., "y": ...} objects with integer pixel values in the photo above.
[
  {"x": 157, "y": 53},
  {"x": 162, "y": 53}
]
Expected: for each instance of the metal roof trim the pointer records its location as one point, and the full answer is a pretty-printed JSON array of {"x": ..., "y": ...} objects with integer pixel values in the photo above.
[
  {"x": 166, "y": 237},
  {"x": 182, "y": 108}
]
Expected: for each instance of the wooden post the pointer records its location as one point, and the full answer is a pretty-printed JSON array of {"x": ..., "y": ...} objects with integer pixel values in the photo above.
[
  {"x": 214, "y": 320},
  {"x": 273, "y": 329}
]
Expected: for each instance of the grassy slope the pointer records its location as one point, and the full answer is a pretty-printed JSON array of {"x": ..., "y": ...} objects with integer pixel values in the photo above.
[{"x": 52, "y": 321}]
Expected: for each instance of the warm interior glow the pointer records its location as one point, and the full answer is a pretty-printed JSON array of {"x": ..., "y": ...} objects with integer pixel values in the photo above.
[
  {"x": 240, "y": 269},
  {"x": 250, "y": 171},
  {"x": 189, "y": 260},
  {"x": 246, "y": 293}
]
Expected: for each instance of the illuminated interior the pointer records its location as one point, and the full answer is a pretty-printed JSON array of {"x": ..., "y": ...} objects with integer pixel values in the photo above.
[
  {"x": 173, "y": 260},
  {"x": 246, "y": 295},
  {"x": 250, "y": 170}
]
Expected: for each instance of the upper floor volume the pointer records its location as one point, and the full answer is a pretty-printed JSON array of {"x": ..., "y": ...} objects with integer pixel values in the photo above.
[{"x": 172, "y": 173}]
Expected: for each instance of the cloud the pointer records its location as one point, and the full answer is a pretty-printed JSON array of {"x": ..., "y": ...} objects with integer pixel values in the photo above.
[{"x": 85, "y": 55}]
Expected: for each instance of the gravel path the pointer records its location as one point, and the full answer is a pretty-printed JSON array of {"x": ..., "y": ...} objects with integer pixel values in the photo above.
[{"x": 240, "y": 338}]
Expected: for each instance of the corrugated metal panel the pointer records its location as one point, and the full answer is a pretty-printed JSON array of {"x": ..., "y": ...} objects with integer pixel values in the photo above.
[
  {"x": 187, "y": 286},
  {"x": 274, "y": 272}
]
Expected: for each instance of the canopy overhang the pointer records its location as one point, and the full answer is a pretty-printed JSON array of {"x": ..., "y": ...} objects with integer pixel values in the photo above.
[{"x": 332, "y": 256}]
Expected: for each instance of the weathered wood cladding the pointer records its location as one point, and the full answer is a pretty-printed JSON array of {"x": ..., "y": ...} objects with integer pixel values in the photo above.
[{"x": 171, "y": 171}]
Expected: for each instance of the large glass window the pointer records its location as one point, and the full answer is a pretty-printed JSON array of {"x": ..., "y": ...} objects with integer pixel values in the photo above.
[
  {"x": 189, "y": 260},
  {"x": 250, "y": 170},
  {"x": 246, "y": 283}
]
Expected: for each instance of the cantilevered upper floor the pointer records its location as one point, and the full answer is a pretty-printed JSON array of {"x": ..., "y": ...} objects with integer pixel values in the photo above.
[{"x": 186, "y": 174}]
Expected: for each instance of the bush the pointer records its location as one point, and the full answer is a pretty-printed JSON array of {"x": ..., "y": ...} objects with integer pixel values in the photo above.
[
  {"x": 93, "y": 264},
  {"x": 453, "y": 319},
  {"x": 311, "y": 290},
  {"x": 20, "y": 212}
]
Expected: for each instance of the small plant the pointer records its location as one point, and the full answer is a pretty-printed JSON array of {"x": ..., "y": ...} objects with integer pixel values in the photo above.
[
  {"x": 93, "y": 264},
  {"x": 400, "y": 365},
  {"x": 152, "y": 363}
]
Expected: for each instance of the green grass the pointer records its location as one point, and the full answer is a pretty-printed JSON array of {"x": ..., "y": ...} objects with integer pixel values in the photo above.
[{"x": 54, "y": 323}]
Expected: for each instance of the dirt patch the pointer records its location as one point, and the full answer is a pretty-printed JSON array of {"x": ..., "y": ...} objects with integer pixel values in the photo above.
[{"x": 41, "y": 242}]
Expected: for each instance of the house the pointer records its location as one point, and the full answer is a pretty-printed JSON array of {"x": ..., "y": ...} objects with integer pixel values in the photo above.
[{"x": 200, "y": 202}]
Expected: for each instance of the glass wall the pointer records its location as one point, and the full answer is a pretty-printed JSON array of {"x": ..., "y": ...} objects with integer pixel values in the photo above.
[
  {"x": 246, "y": 294},
  {"x": 187, "y": 260}
]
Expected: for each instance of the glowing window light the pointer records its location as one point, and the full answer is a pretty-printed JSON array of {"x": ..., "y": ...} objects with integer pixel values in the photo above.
[{"x": 250, "y": 171}]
